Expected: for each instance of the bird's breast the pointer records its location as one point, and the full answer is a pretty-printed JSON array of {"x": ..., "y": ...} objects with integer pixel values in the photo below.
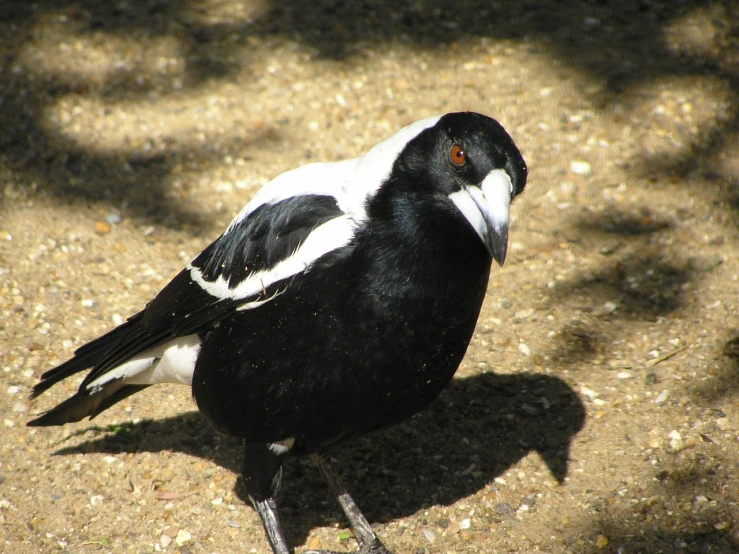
[{"x": 343, "y": 351}]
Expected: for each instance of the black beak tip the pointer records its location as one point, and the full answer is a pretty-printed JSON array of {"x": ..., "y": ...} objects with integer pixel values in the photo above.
[{"x": 498, "y": 244}]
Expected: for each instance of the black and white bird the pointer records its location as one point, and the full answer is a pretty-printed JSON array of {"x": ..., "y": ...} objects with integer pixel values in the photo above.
[{"x": 340, "y": 300}]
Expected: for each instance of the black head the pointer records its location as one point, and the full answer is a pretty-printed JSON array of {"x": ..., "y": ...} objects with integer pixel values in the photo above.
[{"x": 463, "y": 161}]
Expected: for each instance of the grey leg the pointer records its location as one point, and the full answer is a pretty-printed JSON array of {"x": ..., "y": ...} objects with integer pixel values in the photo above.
[
  {"x": 262, "y": 470},
  {"x": 368, "y": 541},
  {"x": 268, "y": 514}
]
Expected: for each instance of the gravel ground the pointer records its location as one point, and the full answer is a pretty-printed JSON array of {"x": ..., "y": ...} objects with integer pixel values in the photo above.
[{"x": 597, "y": 409}]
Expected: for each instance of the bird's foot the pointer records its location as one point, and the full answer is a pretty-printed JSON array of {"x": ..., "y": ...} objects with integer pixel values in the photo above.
[{"x": 374, "y": 547}]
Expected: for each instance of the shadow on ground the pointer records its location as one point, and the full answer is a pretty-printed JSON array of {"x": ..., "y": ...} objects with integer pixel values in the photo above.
[
  {"x": 475, "y": 431},
  {"x": 599, "y": 39}
]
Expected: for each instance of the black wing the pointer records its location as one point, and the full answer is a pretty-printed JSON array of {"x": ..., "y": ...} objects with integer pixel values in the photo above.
[{"x": 266, "y": 236}]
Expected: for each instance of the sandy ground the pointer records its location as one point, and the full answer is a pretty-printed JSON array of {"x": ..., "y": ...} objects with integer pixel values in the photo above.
[{"x": 607, "y": 353}]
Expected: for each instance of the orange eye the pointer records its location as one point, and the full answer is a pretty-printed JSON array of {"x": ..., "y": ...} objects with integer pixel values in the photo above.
[{"x": 458, "y": 155}]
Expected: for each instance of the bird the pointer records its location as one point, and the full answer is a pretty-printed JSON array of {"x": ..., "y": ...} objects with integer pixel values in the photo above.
[{"x": 339, "y": 301}]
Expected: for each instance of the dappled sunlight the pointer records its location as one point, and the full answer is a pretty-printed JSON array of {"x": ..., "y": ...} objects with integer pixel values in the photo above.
[
  {"x": 704, "y": 33},
  {"x": 131, "y": 132}
]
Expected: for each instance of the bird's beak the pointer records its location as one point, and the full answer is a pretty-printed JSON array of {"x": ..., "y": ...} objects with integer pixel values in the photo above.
[{"x": 486, "y": 208}]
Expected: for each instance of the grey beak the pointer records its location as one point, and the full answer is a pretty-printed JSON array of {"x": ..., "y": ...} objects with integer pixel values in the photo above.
[
  {"x": 497, "y": 243},
  {"x": 486, "y": 208}
]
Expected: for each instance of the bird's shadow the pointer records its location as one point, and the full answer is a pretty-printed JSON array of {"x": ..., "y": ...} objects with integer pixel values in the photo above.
[{"x": 477, "y": 429}]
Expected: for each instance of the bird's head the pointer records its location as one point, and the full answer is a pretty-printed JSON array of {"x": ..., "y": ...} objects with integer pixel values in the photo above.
[{"x": 465, "y": 163}]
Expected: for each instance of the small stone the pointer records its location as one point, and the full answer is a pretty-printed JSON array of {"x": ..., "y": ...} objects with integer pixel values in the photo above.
[
  {"x": 314, "y": 543},
  {"x": 102, "y": 227},
  {"x": 589, "y": 393},
  {"x": 601, "y": 542},
  {"x": 429, "y": 534},
  {"x": 113, "y": 219},
  {"x": 624, "y": 375},
  {"x": 580, "y": 167},
  {"x": 466, "y": 523},
  {"x": 234, "y": 524},
  {"x": 662, "y": 397},
  {"x": 182, "y": 537},
  {"x": 503, "y": 509},
  {"x": 13, "y": 389},
  {"x": 20, "y": 406},
  {"x": 165, "y": 541}
]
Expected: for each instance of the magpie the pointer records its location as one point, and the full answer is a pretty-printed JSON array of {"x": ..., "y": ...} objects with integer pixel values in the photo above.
[{"x": 339, "y": 301}]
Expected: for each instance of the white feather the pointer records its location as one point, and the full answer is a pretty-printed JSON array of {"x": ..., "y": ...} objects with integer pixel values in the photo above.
[
  {"x": 350, "y": 182},
  {"x": 172, "y": 362},
  {"x": 331, "y": 235}
]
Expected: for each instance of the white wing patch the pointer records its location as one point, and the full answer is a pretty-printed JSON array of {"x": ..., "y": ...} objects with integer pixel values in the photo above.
[
  {"x": 171, "y": 362},
  {"x": 330, "y": 236},
  {"x": 350, "y": 182}
]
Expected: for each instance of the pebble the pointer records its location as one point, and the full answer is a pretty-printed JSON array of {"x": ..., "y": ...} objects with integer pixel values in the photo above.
[
  {"x": 503, "y": 509},
  {"x": 624, "y": 375},
  {"x": 580, "y": 167},
  {"x": 13, "y": 389},
  {"x": 165, "y": 541},
  {"x": 20, "y": 406},
  {"x": 589, "y": 393},
  {"x": 113, "y": 218},
  {"x": 429, "y": 534},
  {"x": 182, "y": 537},
  {"x": 662, "y": 397},
  {"x": 601, "y": 542},
  {"x": 101, "y": 227}
]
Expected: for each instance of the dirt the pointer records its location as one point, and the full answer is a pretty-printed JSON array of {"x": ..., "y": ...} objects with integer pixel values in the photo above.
[{"x": 597, "y": 409}]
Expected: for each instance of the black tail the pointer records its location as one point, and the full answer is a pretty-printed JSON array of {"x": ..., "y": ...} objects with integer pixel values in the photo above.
[
  {"x": 93, "y": 354},
  {"x": 86, "y": 356},
  {"x": 82, "y": 404}
]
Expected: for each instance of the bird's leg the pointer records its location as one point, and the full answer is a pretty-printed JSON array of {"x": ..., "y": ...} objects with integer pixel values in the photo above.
[
  {"x": 267, "y": 511},
  {"x": 262, "y": 471},
  {"x": 368, "y": 541}
]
